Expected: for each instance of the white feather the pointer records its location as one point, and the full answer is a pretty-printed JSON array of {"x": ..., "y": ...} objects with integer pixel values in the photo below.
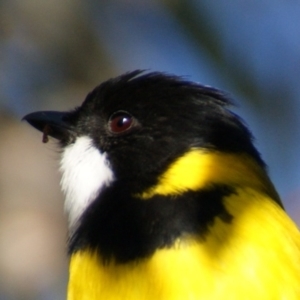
[{"x": 85, "y": 172}]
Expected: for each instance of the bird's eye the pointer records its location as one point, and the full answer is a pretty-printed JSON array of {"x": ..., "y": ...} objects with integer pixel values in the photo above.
[{"x": 120, "y": 122}]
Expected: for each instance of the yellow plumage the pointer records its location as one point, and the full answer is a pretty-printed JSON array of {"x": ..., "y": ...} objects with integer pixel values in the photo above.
[
  {"x": 167, "y": 197},
  {"x": 200, "y": 168},
  {"x": 256, "y": 256}
]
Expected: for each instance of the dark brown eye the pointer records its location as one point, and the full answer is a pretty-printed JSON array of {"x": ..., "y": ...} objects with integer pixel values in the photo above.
[{"x": 120, "y": 122}]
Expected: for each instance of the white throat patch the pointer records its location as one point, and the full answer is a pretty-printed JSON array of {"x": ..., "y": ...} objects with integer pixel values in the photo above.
[{"x": 85, "y": 171}]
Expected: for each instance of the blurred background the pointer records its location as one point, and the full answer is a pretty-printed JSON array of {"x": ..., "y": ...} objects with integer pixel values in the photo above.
[{"x": 52, "y": 53}]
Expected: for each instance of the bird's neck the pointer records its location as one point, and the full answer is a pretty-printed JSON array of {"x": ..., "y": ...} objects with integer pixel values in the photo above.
[
  {"x": 199, "y": 169},
  {"x": 249, "y": 255}
]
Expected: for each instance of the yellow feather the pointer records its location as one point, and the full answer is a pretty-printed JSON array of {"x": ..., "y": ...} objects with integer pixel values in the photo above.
[
  {"x": 199, "y": 168},
  {"x": 256, "y": 256}
]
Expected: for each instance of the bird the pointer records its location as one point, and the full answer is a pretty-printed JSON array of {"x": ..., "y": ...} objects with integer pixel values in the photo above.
[{"x": 167, "y": 196}]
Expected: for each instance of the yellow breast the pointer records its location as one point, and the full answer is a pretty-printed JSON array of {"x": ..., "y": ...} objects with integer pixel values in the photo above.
[{"x": 256, "y": 256}]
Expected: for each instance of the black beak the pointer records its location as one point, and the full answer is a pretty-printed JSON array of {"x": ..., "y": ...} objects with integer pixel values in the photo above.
[{"x": 51, "y": 123}]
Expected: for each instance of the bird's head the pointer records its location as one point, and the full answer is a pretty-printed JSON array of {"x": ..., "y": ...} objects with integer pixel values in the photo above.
[{"x": 131, "y": 129}]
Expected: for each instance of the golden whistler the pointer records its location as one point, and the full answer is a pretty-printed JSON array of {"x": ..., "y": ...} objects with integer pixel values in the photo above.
[{"x": 168, "y": 198}]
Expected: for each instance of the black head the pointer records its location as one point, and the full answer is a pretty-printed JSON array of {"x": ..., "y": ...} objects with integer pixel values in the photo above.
[{"x": 144, "y": 121}]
